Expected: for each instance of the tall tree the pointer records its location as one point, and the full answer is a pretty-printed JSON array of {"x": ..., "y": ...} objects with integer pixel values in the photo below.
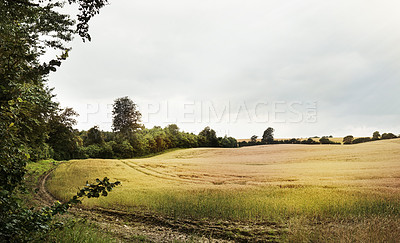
[
  {"x": 268, "y": 135},
  {"x": 208, "y": 138},
  {"x": 28, "y": 29},
  {"x": 62, "y": 137},
  {"x": 126, "y": 117},
  {"x": 376, "y": 135},
  {"x": 94, "y": 136},
  {"x": 348, "y": 139}
]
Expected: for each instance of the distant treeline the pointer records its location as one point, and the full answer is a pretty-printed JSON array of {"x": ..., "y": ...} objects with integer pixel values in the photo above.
[
  {"x": 323, "y": 140},
  {"x": 128, "y": 139},
  {"x": 268, "y": 138},
  {"x": 100, "y": 144},
  {"x": 375, "y": 136}
]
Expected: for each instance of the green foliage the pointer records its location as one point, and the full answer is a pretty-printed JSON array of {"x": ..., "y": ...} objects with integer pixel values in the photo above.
[
  {"x": 20, "y": 224},
  {"x": 94, "y": 136},
  {"x": 268, "y": 136},
  {"x": 77, "y": 231},
  {"x": 361, "y": 140},
  {"x": 208, "y": 138},
  {"x": 348, "y": 139},
  {"x": 227, "y": 142},
  {"x": 28, "y": 28},
  {"x": 388, "y": 136},
  {"x": 122, "y": 150},
  {"x": 325, "y": 140},
  {"x": 62, "y": 138},
  {"x": 376, "y": 135},
  {"x": 126, "y": 117}
]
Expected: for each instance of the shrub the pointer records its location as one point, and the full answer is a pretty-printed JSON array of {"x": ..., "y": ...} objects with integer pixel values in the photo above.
[
  {"x": 348, "y": 139},
  {"x": 361, "y": 140},
  {"x": 388, "y": 136}
]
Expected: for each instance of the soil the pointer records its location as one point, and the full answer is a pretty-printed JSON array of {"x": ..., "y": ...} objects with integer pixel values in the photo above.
[{"x": 147, "y": 227}]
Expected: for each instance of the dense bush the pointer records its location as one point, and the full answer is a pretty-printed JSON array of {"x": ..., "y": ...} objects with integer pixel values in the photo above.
[
  {"x": 348, "y": 139},
  {"x": 388, "y": 136},
  {"x": 362, "y": 140}
]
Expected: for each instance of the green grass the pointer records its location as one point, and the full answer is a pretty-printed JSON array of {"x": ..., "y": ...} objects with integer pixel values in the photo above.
[
  {"x": 36, "y": 169},
  {"x": 269, "y": 203},
  {"x": 73, "y": 230},
  {"x": 78, "y": 231}
]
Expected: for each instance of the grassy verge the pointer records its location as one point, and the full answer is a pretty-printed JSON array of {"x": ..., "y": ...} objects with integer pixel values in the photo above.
[
  {"x": 72, "y": 230},
  {"x": 77, "y": 231}
]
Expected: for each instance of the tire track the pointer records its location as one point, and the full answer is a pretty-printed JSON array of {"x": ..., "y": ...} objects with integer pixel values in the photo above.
[{"x": 157, "y": 228}]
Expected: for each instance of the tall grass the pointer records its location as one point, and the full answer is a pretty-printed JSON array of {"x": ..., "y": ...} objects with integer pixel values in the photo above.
[
  {"x": 269, "y": 203},
  {"x": 78, "y": 231}
]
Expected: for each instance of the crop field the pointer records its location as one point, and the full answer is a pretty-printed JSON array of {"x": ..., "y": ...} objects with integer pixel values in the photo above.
[{"x": 315, "y": 193}]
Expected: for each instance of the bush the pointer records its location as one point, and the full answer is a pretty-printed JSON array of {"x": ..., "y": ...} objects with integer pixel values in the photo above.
[
  {"x": 325, "y": 140},
  {"x": 361, "y": 140},
  {"x": 122, "y": 150},
  {"x": 388, "y": 136},
  {"x": 348, "y": 139}
]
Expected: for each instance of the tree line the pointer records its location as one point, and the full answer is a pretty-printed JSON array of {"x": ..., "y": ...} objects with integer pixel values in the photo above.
[
  {"x": 349, "y": 139},
  {"x": 128, "y": 139}
]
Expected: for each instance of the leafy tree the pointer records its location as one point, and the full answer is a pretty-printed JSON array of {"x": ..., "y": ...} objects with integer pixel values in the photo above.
[
  {"x": 228, "y": 142},
  {"x": 388, "y": 136},
  {"x": 208, "y": 138},
  {"x": 268, "y": 136},
  {"x": 361, "y": 140},
  {"x": 376, "y": 135},
  {"x": 348, "y": 139},
  {"x": 126, "y": 117},
  {"x": 62, "y": 138},
  {"x": 28, "y": 28},
  {"x": 253, "y": 139},
  {"x": 94, "y": 136},
  {"x": 325, "y": 140}
]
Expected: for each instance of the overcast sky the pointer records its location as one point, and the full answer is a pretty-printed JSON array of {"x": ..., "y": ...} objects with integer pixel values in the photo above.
[{"x": 302, "y": 67}]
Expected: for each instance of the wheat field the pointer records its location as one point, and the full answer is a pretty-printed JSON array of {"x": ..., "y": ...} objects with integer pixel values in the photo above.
[{"x": 319, "y": 192}]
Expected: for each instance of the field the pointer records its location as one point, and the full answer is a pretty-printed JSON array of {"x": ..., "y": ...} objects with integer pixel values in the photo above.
[{"x": 308, "y": 192}]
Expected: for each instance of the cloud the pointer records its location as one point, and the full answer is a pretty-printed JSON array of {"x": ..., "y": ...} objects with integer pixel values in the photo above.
[{"x": 341, "y": 54}]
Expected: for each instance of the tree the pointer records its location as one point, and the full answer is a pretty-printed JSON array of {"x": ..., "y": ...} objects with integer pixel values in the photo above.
[
  {"x": 94, "y": 136},
  {"x": 325, "y": 140},
  {"x": 348, "y": 139},
  {"x": 208, "y": 138},
  {"x": 253, "y": 139},
  {"x": 61, "y": 137},
  {"x": 268, "y": 136},
  {"x": 376, "y": 135},
  {"x": 388, "y": 136},
  {"x": 28, "y": 28},
  {"x": 126, "y": 117}
]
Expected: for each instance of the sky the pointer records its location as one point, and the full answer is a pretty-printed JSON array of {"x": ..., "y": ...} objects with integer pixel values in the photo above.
[{"x": 304, "y": 67}]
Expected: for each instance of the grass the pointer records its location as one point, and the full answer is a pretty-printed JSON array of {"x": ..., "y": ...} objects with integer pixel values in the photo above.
[
  {"x": 73, "y": 230},
  {"x": 78, "y": 231},
  {"x": 320, "y": 193}
]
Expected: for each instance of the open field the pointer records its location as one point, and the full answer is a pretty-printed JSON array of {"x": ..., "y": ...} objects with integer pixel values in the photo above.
[{"x": 313, "y": 192}]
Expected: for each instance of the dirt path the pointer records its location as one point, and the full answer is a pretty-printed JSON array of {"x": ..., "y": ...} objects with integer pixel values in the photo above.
[{"x": 140, "y": 226}]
